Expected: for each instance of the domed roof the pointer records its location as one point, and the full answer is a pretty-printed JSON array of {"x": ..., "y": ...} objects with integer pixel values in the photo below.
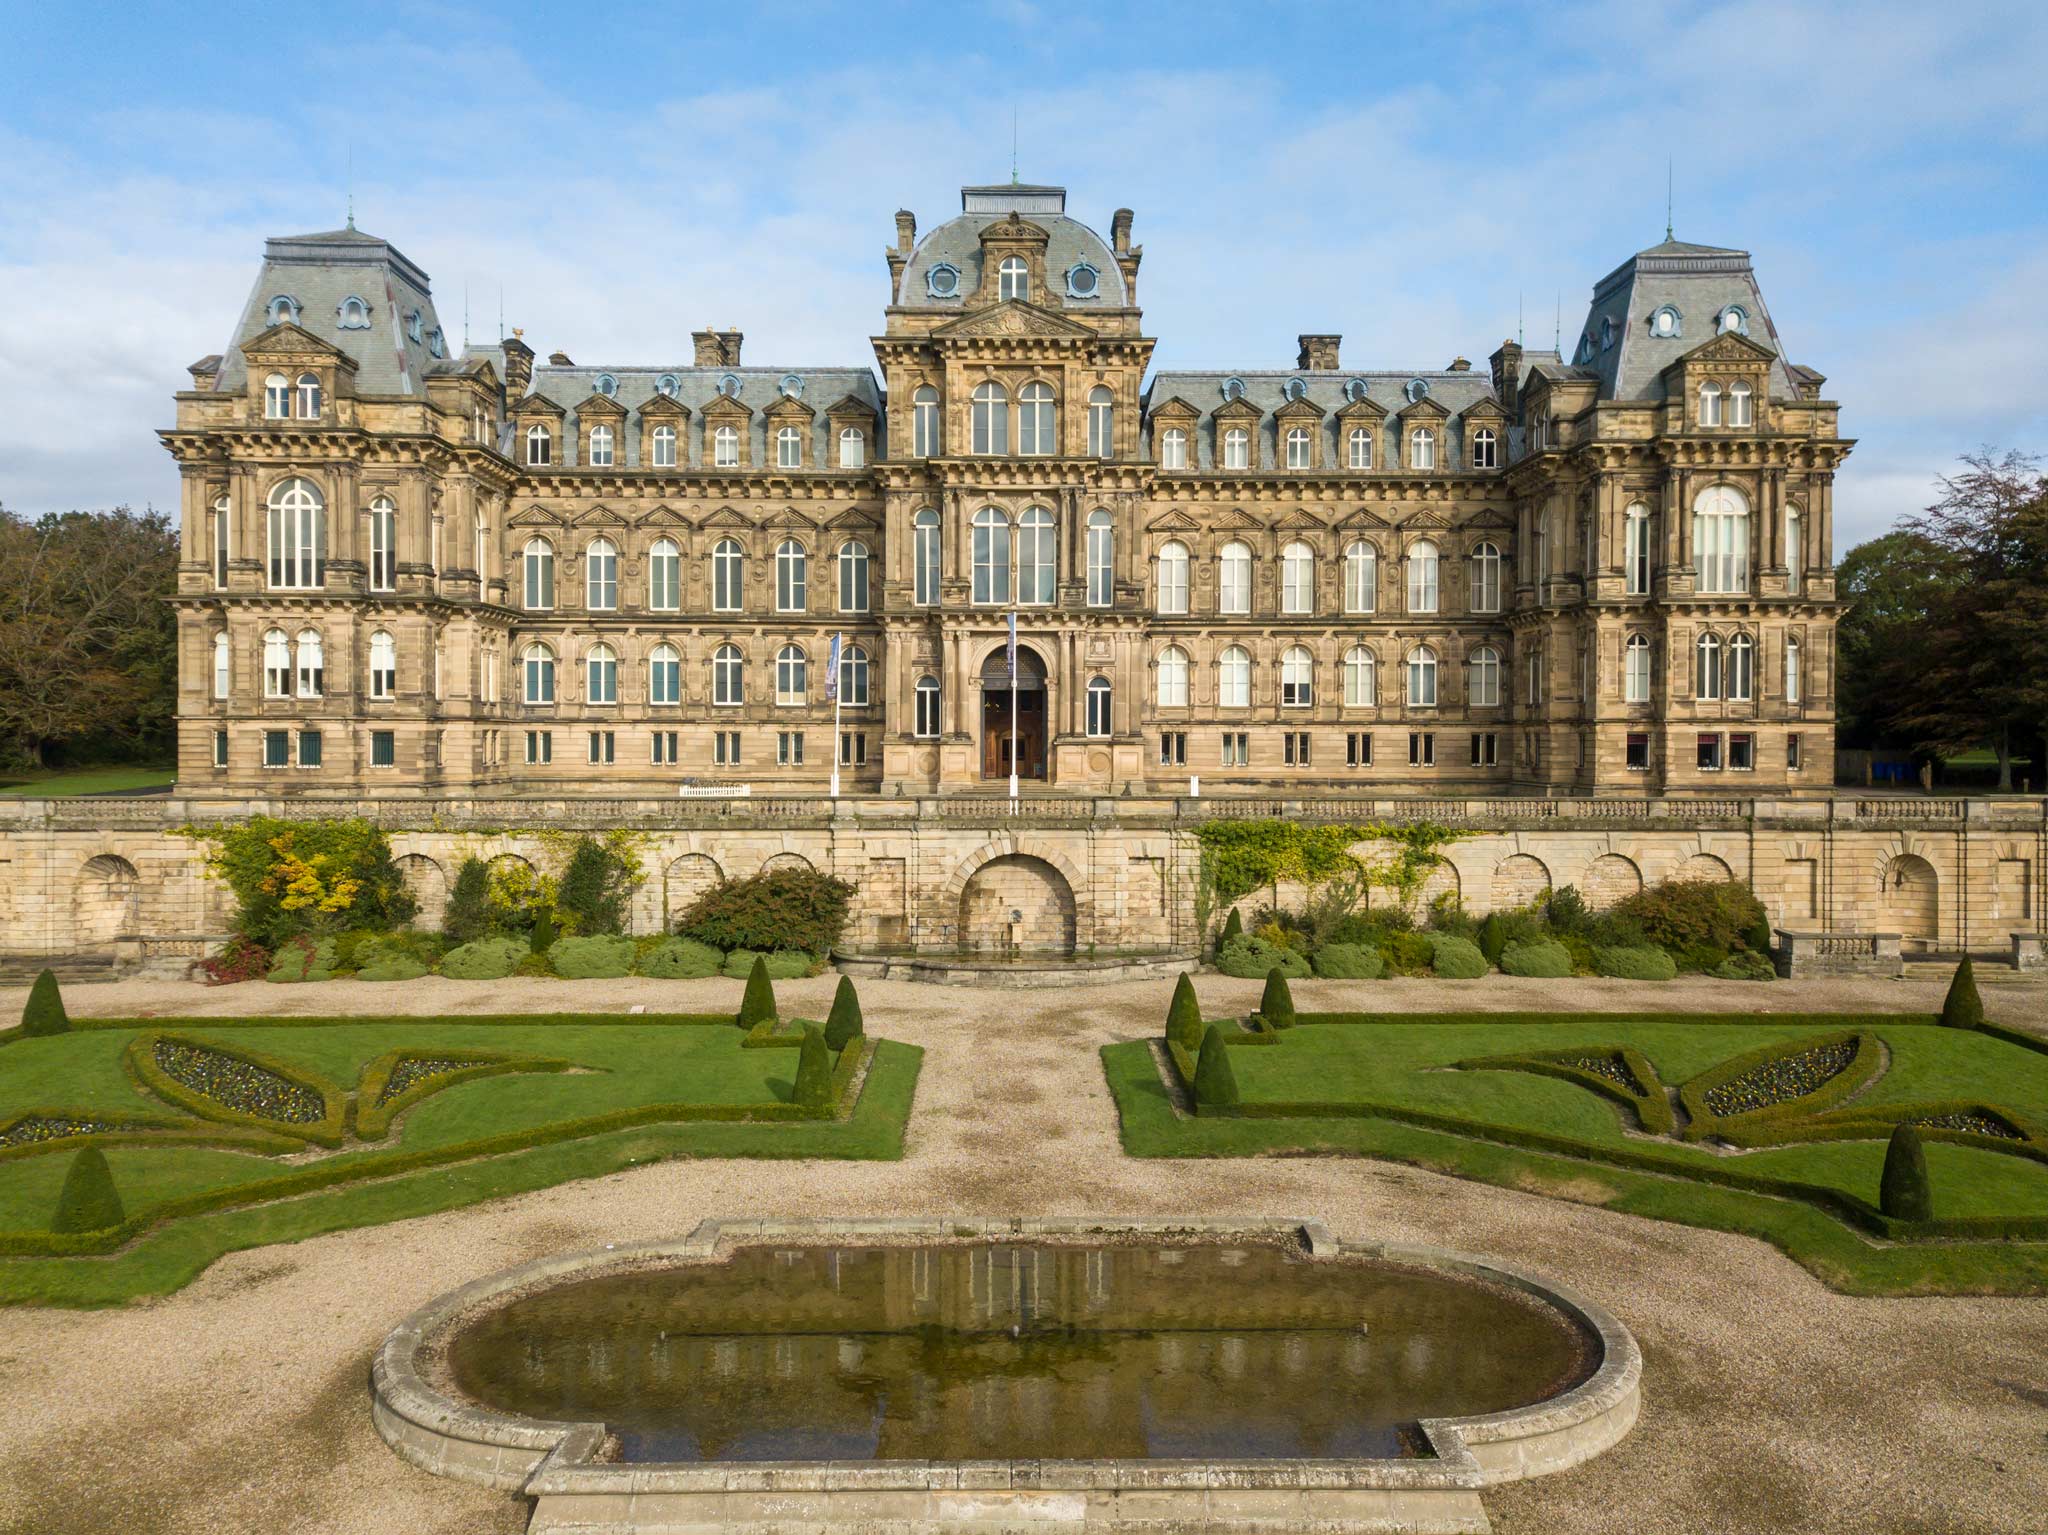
[{"x": 957, "y": 244}]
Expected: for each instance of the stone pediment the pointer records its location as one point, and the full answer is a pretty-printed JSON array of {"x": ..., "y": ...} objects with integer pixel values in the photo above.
[
  {"x": 602, "y": 405},
  {"x": 1238, "y": 519},
  {"x": 1176, "y": 410},
  {"x": 538, "y": 405},
  {"x": 537, "y": 517},
  {"x": 1014, "y": 229},
  {"x": 788, "y": 407},
  {"x": 1491, "y": 522},
  {"x": 790, "y": 517},
  {"x": 1427, "y": 408},
  {"x": 1300, "y": 521},
  {"x": 725, "y": 407},
  {"x": 725, "y": 517},
  {"x": 1485, "y": 407},
  {"x": 664, "y": 517},
  {"x": 601, "y": 517},
  {"x": 1303, "y": 409},
  {"x": 1173, "y": 521},
  {"x": 1364, "y": 517},
  {"x": 1425, "y": 520},
  {"x": 1729, "y": 346},
  {"x": 1238, "y": 410},
  {"x": 850, "y": 405},
  {"x": 664, "y": 405},
  {"x": 1364, "y": 408},
  {"x": 854, "y": 517},
  {"x": 286, "y": 339},
  {"x": 1012, "y": 318}
]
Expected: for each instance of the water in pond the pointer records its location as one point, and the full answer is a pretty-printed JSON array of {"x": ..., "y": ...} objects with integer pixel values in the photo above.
[{"x": 1023, "y": 1352}]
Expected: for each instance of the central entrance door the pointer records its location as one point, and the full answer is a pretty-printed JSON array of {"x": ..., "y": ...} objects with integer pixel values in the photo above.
[{"x": 1030, "y": 719}]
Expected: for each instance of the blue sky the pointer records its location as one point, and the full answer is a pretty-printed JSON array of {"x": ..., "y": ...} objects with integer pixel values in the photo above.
[{"x": 1410, "y": 176}]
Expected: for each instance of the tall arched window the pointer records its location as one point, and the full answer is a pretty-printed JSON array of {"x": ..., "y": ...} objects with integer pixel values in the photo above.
[
  {"x": 1234, "y": 678},
  {"x": 277, "y": 397},
  {"x": 601, "y": 575},
  {"x": 1635, "y": 550},
  {"x": 1237, "y": 448},
  {"x": 1485, "y": 689},
  {"x": 1423, "y": 591},
  {"x": 1173, "y": 678},
  {"x": 1739, "y": 413},
  {"x": 728, "y": 576},
  {"x": 991, "y": 419},
  {"x": 1720, "y": 539},
  {"x": 725, "y": 448},
  {"x": 539, "y": 667},
  {"x": 728, "y": 676},
  {"x": 925, "y": 555},
  {"x": 664, "y": 576},
  {"x": 312, "y": 664},
  {"x": 1485, "y": 449},
  {"x": 1101, "y": 423},
  {"x": 664, "y": 447},
  {"x": 853, "y": 577},
  {"x": 792, "y": 575},
  {"x": 277, "y": 664},
  {"x": 1741, "y": 668},
  {"x": 1422, "y": 678},
  {"x": 924, "y": 423},
  {"x": 853, "y": 448},
  {"x": 601, "y": 675},
  {"x": 540, "y": 446},
  {"x": 1358, "y": 447},
  {"x": 309, "y": 397},
  {"x": 1422, "y": 448},
  {"x": 1173, "y": 448},
  {"x": 1361, "y": 679},
  {"x": 1173, "y": 577},
  {"x": 925, "y": 718},
  {"x": 1298, "y": 448},
  {"x": 664, "y": 675},
  {"x": 1098, "y": 706},
  {"x": 1297, "y": 579},
  {"x": 1707, "y": 681},
  {"x": 1795, "y": 552},
  {"x": 1792, "y": 678},
  {"x": 223, "y": 540},
  {"x": 1101, "y": 558},
  {"x": 1486, "y": 578},
  {"x": 1037, "y": 556},
  {"x": 792, "y": 675},
  {"x": 383, "y": 665},
  {"x": 600, "y": 447},
  {"x": 1361, "y": 578},
  {"x": 789, "y": 447},
  {"x": 298, "y": 535},
  {"x": 1013, "y": 279},
  {"x": 1710, "y": 405},
  {"x": 991, "y": 556},
  {"x": 539, "y": 562},
  {"x": 383, "y": 544},
  {"x": 1234, "y": 578},
  {"x": 1297, "y": 678},
  {"x": 1635, "y": 670},
  {"x": 1035, "y": 428},
  {"x": 223, "y": 666},
  {"x": 853, "y": 677}
]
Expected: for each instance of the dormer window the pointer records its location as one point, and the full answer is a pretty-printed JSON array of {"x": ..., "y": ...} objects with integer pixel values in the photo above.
[
  {"x": 1738, "y": 405},
  {"x": 437, "y": 344},
  {"x": 355, "y": 314},
  {"x": 309, "y": 397},
  {"x": 943, "y": 281},
  {"x": 1416, "y": 390},
  {"x": 1664, "y": 324},
  {"x": 667, "y": 385},
  {"x": 1083, "y": 281},
  {"x": 1584, "y": 354},
  {"x": 607, "y": 385},
  {"x": 729, "y": 385},
  {"x": 1354, "y": 390},
  {"x": 277, "y": 397},
  {"x": 284, "y": 308},
  {"x": 1293, "y": 389},
  {"x": 791, "y": 386},
  {"x": 1710, "y": 405},
  {"x": 413, "y": 324},
  {"x": 1734, "y": 318},
  {"x": 1013, "y": 279},
  {"x": 1607, "y": 334}
]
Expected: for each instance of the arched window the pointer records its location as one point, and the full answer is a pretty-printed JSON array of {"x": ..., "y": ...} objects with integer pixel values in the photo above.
[
  {"x": 1635, "y": 550},
  {"x": 725, "y": 448},
  {"x": 853, "y": 677},
  {"x": 991, "y": 419},
  {"x": 1710, "y": 405},
  {"x": 480, "y": 544},
  {"x": 853, "y": 577},
  {"x": 728, "y": 576},
  {"x": 309, "y": 397},
  {"x": 601, "y": 675},
  {"x": 792, "y": 679},
  {"x": 664, "y": 447},
  {"x": 383, "y": 665},
  {"x": 284, "y": 308},
  {"x": 789, "y": 448},
  {"x": 600, "y": 447},
  {"x": 664, "y": 576},
  {"x": 1013, "y": 279},
  {"x": 1173, "y": 577},
  {"x": 1237, "y": 448},
  {"x": 1422, "y": 448},
  {"x": 298, "y": 535},
  {"x": 1297, "y": 678},
  {"x": 1739, "y": 413},
  {"x": 1358, "y": 448},
  {"x": 1234, "y": 678},
  {"x": 355, "y": 314},
  {"x": 1101, "y": 559},
  {"x": 223, "y": 539},
  {"x": 728, "y": 676},
  {"x": 1720, "y": 539},
  {"x": 223, "y": 665},
  {"x": 1298, "y": 448},
  {"x": 539, "y": 667},
  {"x": 1422, "y": 577},
  {"x": 277, "y": 664},
  {"x": 1101, "y": 423},
  {"x": 1795, "y": 552},
  {"x": 1234, "y": 578},
  {"x": 383, "y": 544},
  {"x": 1635, "y": 670},
  {"x": 1707, "y": 682},
  {"x": 1297, "y": 579},
  {"x": 1741, "y": 668},
  {"x": 664, "y": 675},
  {"x": 1792, "y": 678},
  {"x": 792, "y": 576},
  {"x": 1035, "y": 429},
  {"x": 1485, "y": 690},
  {"x": 601, "y": 575},
  {"x": 1098, "y": 706},
  {"x": 1361, "y": 678},
  {"x": 853, "y": 448},
  {"x": 1486, "y": 578},
  {"x": 991, "y": 556},
  {"x": 277, "y": 397},
  {"x": 1173, "y": 449},
  {"x": 1173, "y": 678},
  {"x": 925, "y": 555},
  {"x": 312, "y": 664},
  {"x": 1733, "y": 318},
  {"x": 540, "y": 574},
  {"x": 924, "y": 423},
  {"x": 1037, "y": 556},
  {"x": 1361, "y": 578},
  {"x": 540, "y": 446},
  {"x": 926, "y": 716},
  {"x": 1422, "y": 678},
  {"x": 1485, "y": 449}
]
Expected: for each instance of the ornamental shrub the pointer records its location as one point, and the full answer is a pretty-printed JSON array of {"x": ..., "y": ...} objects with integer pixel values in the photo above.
[
  {"x": 1581, "y": 952},
  {"x": 1248, "y": 957},
  {"x": 813, "y": 1071},
  {"x": 1184, "y": 1015},
  {"x": 1634, "y": 964},
  {"x": 44, "y": 1014},
  {"x": 777, "y": 909},
  {"x": 1758, "y": 934},
  {"x": 1215, "y": 1082},
  {"x": 392, "y": 958},
  {"x": 1233, "y": 927},
  {"x": 1904, "y": 1192},
  {"x": 783, "y": 964},
  {"x": 1688, "y": 915},
  {"x": 1407, "y": 953},
  {"x": 1457, "y": 959},
  {"x": 682, "y": 959},
  {"x": 317, "y": 876},
  {"x": 1276, "y": 1002},
  {"x": 1962, "y": 1008},
  {"x": 843, "y": 1025},
  {"x": 593, "y": 957},
  {"x": 758, "y": 1005},
  {"x": 483, "y": 959},
  {"x": 1349, "y": 962},
  {"x": 1543, "y": 959},
  {"x": 1744, "y": 966},
  {"x": 1565, "y": 910},
  {"x": 467, "y": 916},
  {"x": 541, "y": 936},
  {"x": 594, "y": 889},
  {"x": 88, "y": 1201},
  {"x": 303, "y": 959},
  {"x": 532, "y": 964},
  {"x": 240, "y": 959}
]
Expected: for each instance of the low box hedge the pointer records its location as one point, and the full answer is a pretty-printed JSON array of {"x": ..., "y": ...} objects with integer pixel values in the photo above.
[
  {"x": 302, "y": 959},
  {"x": 1539, "y": 959},
  {"x": 1348, "y": 962},
  {"x": 1865, "y": 1061},
  {"x": 126, "y": 1129},
  {"x": 484, "y": 959},
  {"x": 1646, "y": 963},
  {"x": 1252, "y": 958},
  {"x": 682, "y": 959},
  {"x": 373, "y": 1119},
  {"x": 328, "y": 1130},
  {"x": 783, "y": 964},
  {"x": 1456, "y": 959},
  {"x": 1649, "y": 1105},
  {"x": 598, "y": 957}
]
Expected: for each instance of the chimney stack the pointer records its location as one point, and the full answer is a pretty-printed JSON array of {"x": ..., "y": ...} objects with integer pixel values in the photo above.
[
  {"x": 1120, "y": 230},
  {"x": 1318, "y": 353},
  {"x": 1507, "y": 375},
  {"x": 906, "y": 229},
  {"x": 717, "y": 348},
  {"x": 1460, "y": 365},
  {"x": 518, "y": 366},
  {"x": 559, "y": 360}
]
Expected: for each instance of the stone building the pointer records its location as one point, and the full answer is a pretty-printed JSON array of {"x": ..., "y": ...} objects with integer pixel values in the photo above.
[{"x": 411, "y": 572}]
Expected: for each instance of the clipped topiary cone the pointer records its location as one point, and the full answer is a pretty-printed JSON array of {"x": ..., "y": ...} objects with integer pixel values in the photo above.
[
  {"x": 1493, "y": 937},
  {"x": 1904, "y": 1192},
  {"x": 813, "y": 1071},
  {"x": 1233, "y": 928},
  {"x": 1184, "y": 1015},
  {"x": 89, "y": 1200},
  {"x": 1962, "y": 1008},
  {"x": 1215, "y": 1082},
  {"x": 45, "y": 1013},
  {"x": 844, "y": 1025},
  {"x": 1277, "y": 1002},
  {"x": 758, "y": 1005}
]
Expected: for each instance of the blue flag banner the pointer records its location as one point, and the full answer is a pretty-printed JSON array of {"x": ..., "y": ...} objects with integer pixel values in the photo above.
[
  {"x": 832, "y": 671},
  {"x": 1013, "y": 646}
]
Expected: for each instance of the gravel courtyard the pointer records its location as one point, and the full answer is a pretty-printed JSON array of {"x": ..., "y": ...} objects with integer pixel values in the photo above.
[{"x": 1771, "y": 1404}]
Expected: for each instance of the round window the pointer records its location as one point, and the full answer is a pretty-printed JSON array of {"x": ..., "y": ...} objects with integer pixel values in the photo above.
[
  {"x": 1081, "y": 281},
  {"x": 942, "y": 282}
]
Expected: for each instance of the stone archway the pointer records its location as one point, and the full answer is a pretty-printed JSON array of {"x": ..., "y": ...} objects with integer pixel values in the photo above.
[
  {"x": 1019, "y": 900},
  {"x": 1707, "y": 867},
  {"x": 688, "y": 877},
  {"x": 1911, "y": 900},
  {"x": 1441, "y": 880},
  {"x": 428, "y": 882},
  {"x": 787, "y": 861},
  {"x": 105, "y": 902},
  {"x": 1519, "y": 880},
  {"x": 1610, "y": 879}
]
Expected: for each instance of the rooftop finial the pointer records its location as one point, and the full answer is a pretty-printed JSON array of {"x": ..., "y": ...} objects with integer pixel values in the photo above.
[
  {"x": 1518, "y": 317},
  {"x": 351, "y": 184},
  {"x": 1013, "y": 146},
  {"x": 1667, "y": 200},
  {"x": 1557, "y": 325}
]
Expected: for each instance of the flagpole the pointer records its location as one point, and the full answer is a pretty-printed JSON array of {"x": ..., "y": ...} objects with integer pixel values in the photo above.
[
  {"x": 837, "y": 700},
  {"x": 1013, "y": 707}
]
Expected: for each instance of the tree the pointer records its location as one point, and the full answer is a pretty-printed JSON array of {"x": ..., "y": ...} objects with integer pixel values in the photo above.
[
  {"x": 757, "y": 1003},
  {"x": 1276, "y": 1001},
  {"x": 1215, "y": 1082},
  {"x": 813, "y": 1071},
  {"x": 594, "y": 889},
  {"x": 88, "y": 1201},
  {"x": 1962, "y": 1008},
  {"x": 468, "y": 913},
  {"x": 843, "y": 1025},
  {"x": 45, "y": 1012},
  {"x": 1892, "y": 590},
  {"x": 1903, "y": 1190},
  {"x": 1184, "y": 1015}
]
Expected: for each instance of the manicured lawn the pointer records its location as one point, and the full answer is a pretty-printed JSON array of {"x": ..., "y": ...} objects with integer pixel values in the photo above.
[
  {"x": 1390, "y": 1089},
  {"x": 90, "y": 781},
  {"x": 638, "y": 1089}
]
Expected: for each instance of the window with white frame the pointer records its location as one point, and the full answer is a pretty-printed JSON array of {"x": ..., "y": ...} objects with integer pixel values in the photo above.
[
  {"x": 1361, "y": 577},
  {"x": 1098, "y": 706},
  {"x": 925, "y": 557},
  {"x": 1484, "y": 691},
  {"x": 725, "y": 448},
  {"x": 792, "y": 572},
  {"x": 1234, "y": 678},
  {"x": 1297, "y": 579},
  {"x": 1791, "y": 669},
  {"x": 1297, "y": 678},
  {"x": 601, "y": 675},
  {"x": 1486, "y": 578},
  {"x": 1422, "y": 448},
  {"x": 600, "y": 447},
  {"x": 1013, "y": 279},
  {"x": 664, "y": 576},
  {"x": 990, "y": 419},
  {"x": 1532, "y": 677},
  {"x": 1485, "y": 449},
  {"x": 1358, "y": 447},
  {"x": 1037, "y": 556},
  {"x": 540, "y": 446},
  {"x": 1237, "y": 448},
  {"x": 1234, "y": 578},
  {"x": 383, "y": 665},
  {"x": 853, "y": 448},
  {"x": 926, "y": 714},
  {"x": 1298, "y": 448},
  {"x": 1173, "y": 448},
  {"x": 277, "y": 664},
  {"x": 1361, "y": 678},
  {"x": 1101, "y": 558},
  {"x": 1710, "y": 405},
  {"x": 1741, "y": 668},
  {"x": 792, "y": 675},
  {"x": 298, "y": 535},
  {"x": 539, "y": 666},
  {"x": 383, "y": 544},
  {"x": 1422, "y": 678},
  {"x": 1173, "y": 678},
  {"x": 924, "y": 423},
  {"x": 1720, "y": 539},
  {"x": 853, "y": 577},
  {"x": 1101, "y": 423},
  {"x": 728, "y": 676},
  {"x": 277, "y": 397},
  {"x": 1707, "y": 671},
  {"x": 1423, "y": 592},
  {"x": 789, "y": 447},
  {"x": 1635, "y": 670},
  {"x": 312, "y": 664},
  {"x": 309, "y": 397},
  {"x": 1635, "y": 550},
  {"x": 853, "y": 677},
  {"x": 1739, "y": 413},
  {"x": 601, "y": 575},
  {"x": 664, "y": 447},
  {"x": 1035, "y": 426},
  {"x": 664, "y": 675},
  {"x": 991, "y": 556},
  {"x": 223, "y": 540},
  {"x": 222, "y": 665},
  {"x": 1173, "y": 577},
  {"x": 1795, "y": 551},
  {"x": 728, "y": 576}
]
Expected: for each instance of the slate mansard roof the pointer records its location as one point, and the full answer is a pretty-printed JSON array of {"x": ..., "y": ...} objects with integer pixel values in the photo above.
[
  {"x": 1266, "y": 391},
  {"x": 1699, "y": 282},
  {"x": 957, "y": 243},
  {"x": 820, "y": 388}
]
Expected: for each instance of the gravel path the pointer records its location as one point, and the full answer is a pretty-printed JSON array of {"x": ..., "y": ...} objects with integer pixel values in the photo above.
[{"x": 240, "y": 1404}]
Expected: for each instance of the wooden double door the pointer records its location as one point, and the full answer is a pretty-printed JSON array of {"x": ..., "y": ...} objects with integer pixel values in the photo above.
[{"x": 996, "y": 734}]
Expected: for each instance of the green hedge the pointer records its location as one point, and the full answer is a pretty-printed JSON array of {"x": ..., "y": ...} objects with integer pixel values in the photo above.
[
  {"x": 844, "y": 1024},
  {"x": 783, "y": 964},
  {"x": 44, "y": 1013},
  {"x": 682, "y": 959},
  {"x": 302, "y": 959},
  {"x": 1962, "y": 1008},
  {"x": 1215, "y": 1082},
  {"x": 598, "y": 957},
  {"x": 1744, "y": 965},
  {"x": 328, "y": 1130},
  {"x": 1541, "y": 959},
  {"x": 373, "y": 1119},
  {"x": 88, "y": 1201},
  {"x": 1647, "y": 963},
  {"x": 1349, "y": 962},
  {"x": 1864, "y": 1064},
  {"x": 485, "y": 959},
  {"x": 1651, "y": 1108},
  {"x": 1455, "y": 958},
  {"x": 1251, "y": 958}
]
